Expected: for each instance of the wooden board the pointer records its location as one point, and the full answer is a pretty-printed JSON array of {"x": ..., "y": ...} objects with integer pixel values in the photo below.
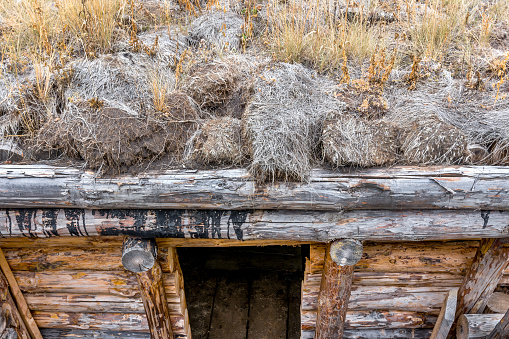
[
  {"x": 311, "y": 226},
  {"x": 460, "y": 187}
]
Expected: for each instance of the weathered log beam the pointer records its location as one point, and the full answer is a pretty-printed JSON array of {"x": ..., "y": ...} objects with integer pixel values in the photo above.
[
  {"x": 382, "y": 225},
  {"x": 468, "y": 187},
  {"x": 446, "y": 316},
  {"x": 490, "y": 261},
  {"x": 476, "y": 325},
  {"x": 336, "y": 287},
  {"x": 22, "y": 310},
  {"x": 139, "y": 256},
  {"x": 501, "y": 330}
]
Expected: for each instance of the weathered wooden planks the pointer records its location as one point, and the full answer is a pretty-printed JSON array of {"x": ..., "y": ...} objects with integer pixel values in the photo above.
[
  {"x": 311, "y": 226},
  {"x": 467, "y": 187}
]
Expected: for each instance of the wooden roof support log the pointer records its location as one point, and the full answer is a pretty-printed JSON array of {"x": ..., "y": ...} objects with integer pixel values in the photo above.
[
  {"x": 476, "y": 325},
  {"x": 136, "y": 255},
  {"x": 20, "y": 305},
  {"x": 311, "y": 226},
  {"x": 446, "y": 316},
  {"x": 501, "y": 330},
  {"x": 336, "y": 286},
  {"x": 460, "y": 187},
  {"x": 490, "y": 261}
]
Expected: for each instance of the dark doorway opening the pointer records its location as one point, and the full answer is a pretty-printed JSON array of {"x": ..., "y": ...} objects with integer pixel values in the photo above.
[{"x": 243, "y": 292}]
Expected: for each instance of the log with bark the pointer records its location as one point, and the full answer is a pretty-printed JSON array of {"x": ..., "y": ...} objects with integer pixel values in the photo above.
[{"x": 462, "y": 187}]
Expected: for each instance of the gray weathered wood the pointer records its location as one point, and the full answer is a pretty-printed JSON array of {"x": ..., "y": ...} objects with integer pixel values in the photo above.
[
  {"x": 346, "y": 252},
  {"x": 446, "y": 316},
  {"x": 403, "y": 333},
  {"x": 498, "y": 302},
  {"x": 309, "y": 226},
  {"x": 138, "y": 254},
  {"x": 490, "y": 261},
  {"x": 476, "y": 325},
  {"x": 467, "y": 187},
  {"x": 501, "y": 330}
]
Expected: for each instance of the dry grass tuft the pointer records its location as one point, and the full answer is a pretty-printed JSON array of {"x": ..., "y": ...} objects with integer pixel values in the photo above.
[
  {"x": 284, "y": 121},
  {"x": 219, "y": 142},
  {"x": 348, "y": 140},
  {"x": 219, "y": 30}
]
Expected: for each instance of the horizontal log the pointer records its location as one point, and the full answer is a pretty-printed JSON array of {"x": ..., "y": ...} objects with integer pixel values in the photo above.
[
  {"x": 467, "y": 187},
  {"x": 90, "y": 303},
  {"x": 393, "y": 319},
  {"x": 100, "y": 321},
  {"x": 382, "y": 225},
  {"x": 87, "y": 282},
  {"x": 414, "y": 333},
  {"x": 422, "y": 257},
  {"x": 67, "y": 333},
  {"x": 365, "y": 298}
]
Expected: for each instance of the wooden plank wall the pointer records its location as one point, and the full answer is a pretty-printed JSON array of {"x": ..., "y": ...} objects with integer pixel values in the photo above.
[
  {"x": 84, "y": 287},
  {"x": 398, "y": 288}
]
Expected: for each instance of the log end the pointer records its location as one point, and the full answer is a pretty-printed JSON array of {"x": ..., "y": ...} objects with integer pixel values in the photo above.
[
  {"x": 462, "y": 330},
  {"x": 138, "y": 254},
  {"x": 346, "y": 252}
]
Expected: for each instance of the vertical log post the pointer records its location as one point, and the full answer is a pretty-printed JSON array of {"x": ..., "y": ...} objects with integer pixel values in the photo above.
[
  {"x": 139, "y": 256},
  {"x": 335, "y": 288},
  {"x": 501, "y": 331},
  {"x": 490, "y": 261}
]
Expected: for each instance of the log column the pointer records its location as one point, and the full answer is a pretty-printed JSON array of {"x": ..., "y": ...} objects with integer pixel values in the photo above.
[
  {"x": 139, "y": 256},
  {"x": 336, "y": 286}
]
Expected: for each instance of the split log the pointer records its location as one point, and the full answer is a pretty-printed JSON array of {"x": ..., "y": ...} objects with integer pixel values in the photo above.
[
  {"x": 501, "y": 330},
  {"x": 466, "y": 187},
  {"x": 13, "y": 318},
  {"x": 498, "y": 302},
  {"x": 489, "y": 264},
  {"x": 138, "y": 254},
  {"x": 336, "y": 286},
  {"x": 257, "y": 225},
  {"x": 476, "y": 325},
  {"x": 21, "y": 307},
  {"x": 446, "y": 316}
]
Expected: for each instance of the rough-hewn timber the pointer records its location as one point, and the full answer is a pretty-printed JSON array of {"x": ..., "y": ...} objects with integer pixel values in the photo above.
[
  {"x": 468, "y": 187},
  {"x": 491, "y": 259},
  {"x": 476, "y": 325},
  {"x": 312, "y": 226},
  {"x": 446, "y": 316},
  {"x": 501, "y": 331}
]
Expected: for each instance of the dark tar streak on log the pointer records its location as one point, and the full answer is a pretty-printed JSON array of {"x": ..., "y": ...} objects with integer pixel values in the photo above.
[
  {"x": 311, "y": 226},
  {"x": 474, "y": 188}
]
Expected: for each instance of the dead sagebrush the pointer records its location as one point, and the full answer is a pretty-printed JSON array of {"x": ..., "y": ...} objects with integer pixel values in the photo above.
[
  {"x": 348, "y": 140},
  {"x": 218, "y": 29}
]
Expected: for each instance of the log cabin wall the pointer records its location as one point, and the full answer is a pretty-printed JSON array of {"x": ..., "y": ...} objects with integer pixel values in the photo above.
[
  {"x": 398, "y": 288},
  {"x": 79, "y": 288}
]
